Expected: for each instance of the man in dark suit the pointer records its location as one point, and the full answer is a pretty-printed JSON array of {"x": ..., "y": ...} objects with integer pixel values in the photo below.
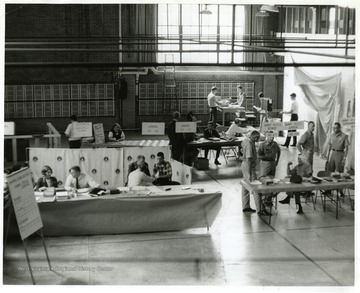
[{"x": 177, "y": 140}]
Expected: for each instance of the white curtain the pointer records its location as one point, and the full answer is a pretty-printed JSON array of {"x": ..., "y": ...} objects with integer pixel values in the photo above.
[{"x": 322, "y": 94}]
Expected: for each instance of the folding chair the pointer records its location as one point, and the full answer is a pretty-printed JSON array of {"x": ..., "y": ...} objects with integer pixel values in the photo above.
[{"x": 322, "y": 174}]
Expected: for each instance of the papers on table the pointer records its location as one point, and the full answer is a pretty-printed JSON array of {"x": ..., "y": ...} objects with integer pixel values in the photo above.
[
  {"x": 256, "y": 182},
  {"x": 123, "y": 188},
  {"x": 83, "y": 190}
]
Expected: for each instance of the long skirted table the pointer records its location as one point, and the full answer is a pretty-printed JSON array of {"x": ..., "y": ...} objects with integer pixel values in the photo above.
[{"x": 171, "y": 210}]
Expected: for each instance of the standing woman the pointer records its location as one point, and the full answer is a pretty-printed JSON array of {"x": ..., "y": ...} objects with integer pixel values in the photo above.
[
  {"x": 46, "y": 180},
  {"x": 116, "y": 133}
]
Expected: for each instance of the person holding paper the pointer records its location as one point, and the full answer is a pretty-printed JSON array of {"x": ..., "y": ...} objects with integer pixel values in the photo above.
[
  {"x": 248, "y": 168},
  {"x": 303, "y": 169},
  {"x": 209, "y": 133},
  {"x": 116, "y": 133},
  {"x": 78, "y": 180},
  {"x": 212, "y": 103},
  {"x": 46, "y": 180},
  {"x": 294, "y": 111},
  {"x": 177, "y": 140},
  {"x": 139, "y": 178},
  {"x": 306, "y": 144},
  {"x": 74, "y": 142},
  {"x": 235, "y": 129}
]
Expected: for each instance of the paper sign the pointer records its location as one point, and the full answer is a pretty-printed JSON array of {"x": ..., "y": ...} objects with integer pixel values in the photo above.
[
  {"x": 271, "y": 134},
  {"x": 293, "y": 133},
  {"x": 185, "y": 127},
  {"x": 348, "y": 121},
  {"x": 278, "y": 126},
  {"x": 83, "y": 129},
  {"x": 9, "y": 128},
  {"x": 153, "y": 128},
  {"x": 99, "y": 133},
  {"x": 24, "y": 202}
]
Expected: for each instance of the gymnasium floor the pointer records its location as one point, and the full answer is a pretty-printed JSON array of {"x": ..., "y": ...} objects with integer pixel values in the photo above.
[{"x": 313, "y": 249}]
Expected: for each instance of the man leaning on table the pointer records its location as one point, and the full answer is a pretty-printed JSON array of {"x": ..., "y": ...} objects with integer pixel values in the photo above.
[
  {"x": 248, "y": 168},
  {"x": 78, "y": 180},
  {"x": 306, "y": 144},
  {"x": 302, "y": 169},
  {"x": 139, "y": 178}
]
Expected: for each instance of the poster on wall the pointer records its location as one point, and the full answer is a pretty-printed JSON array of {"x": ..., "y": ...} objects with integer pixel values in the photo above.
[
  {"x": 24, "y": 202},
  {"x": 9, "y": 128}
]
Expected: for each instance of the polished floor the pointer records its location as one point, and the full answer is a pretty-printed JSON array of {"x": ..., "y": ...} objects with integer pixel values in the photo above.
[{"x": 313, "y": 249}]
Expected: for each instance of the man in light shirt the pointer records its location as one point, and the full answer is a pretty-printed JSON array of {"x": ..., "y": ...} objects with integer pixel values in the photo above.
[
  {"x": 240, "y": 96},
  {"x": 77, "y": 180},
  {"x": 74, "y": 142},
  {"x": 139, "y": 178},
  {"x": 212, "y": 103},
  {"x": 235, "y": 129},
  {"x": 294, "y": 111}
]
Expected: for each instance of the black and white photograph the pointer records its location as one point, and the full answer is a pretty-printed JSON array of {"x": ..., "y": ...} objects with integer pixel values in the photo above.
[{"x": 193, "y": 145}]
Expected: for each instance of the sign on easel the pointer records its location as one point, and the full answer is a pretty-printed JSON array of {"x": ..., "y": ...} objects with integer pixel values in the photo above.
[
  {"x": 185, "y": 127},
  {"x": 153, "y": 128},
  {"x": 278, "y": 126},
  {"x": 25, "y": 206},
  {"x": 99, "y": 133},
  {"x": 83, "y": 129}
]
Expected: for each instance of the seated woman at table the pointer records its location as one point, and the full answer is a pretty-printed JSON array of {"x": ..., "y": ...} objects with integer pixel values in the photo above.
[
  {"x": 78, "y": 180},
  {"x": 139, "y": 178},
  {"x": 116, "y": 133},
  {"x": 303, "y": 168},
  {"x": 210, "y": 132},
  {"x": 134, "y": 165},
  {"x": 46, "y": 180}
]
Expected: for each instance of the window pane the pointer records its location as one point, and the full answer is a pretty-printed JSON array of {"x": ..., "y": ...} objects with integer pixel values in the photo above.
[{"x": 225, "y": 15}]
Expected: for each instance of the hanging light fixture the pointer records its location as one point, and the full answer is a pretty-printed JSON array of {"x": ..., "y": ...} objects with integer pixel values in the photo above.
[
  {"x": 262, "y": 13},
  {"x": 205, "y": 11}
]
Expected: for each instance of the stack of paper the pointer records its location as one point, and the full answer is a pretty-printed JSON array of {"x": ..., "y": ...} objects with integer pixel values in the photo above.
[{"x": 62, "y": 195}]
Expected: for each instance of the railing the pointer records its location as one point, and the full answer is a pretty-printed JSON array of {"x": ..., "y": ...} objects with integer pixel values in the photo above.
[{"x": 54, "y": 140}]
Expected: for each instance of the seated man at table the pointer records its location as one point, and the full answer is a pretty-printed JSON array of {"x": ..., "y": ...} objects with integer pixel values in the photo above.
[
  {"x": 139, "y": 178},
  {"x": 235, "y": 129},
  {"x": 163, "y": 171},
  {"x": 77, "y": 180},
  {"x": 134, "y": 165},
  {"x": 303, "y": 168},
  {"x": 210, "y": 132}
]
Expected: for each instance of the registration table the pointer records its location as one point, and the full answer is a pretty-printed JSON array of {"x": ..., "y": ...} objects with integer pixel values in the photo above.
[
  {"x": 229, "y": 109},
  {"x": 127, "y": 143},
  {"x": 154, "y": 209},
  {"x": 282, "y": 186}
]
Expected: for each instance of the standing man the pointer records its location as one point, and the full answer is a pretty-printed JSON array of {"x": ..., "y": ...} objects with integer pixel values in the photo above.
[
  {"x": 74, "y": 142},
  {"x": 212, "y": 103},
  {"x": 269, "y": 155},
  {"x": 338, "y": 146},
  {"x": 248, "y": 167},
  {"x": 306, "y": 144},
  {"x": 240, "y": 96},
  {"x": 294, "y": 111},
  {"x": 177, "y": 140}
]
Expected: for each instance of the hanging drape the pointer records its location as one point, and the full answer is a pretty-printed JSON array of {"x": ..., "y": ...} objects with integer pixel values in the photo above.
[
  {"x": 321, "y": 94},
  {"x": 146, "y": 29}
]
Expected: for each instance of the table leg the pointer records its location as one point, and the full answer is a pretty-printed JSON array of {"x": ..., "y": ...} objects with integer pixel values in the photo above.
[
  {"x": 337, "y": 203},
  {"x": 223, "y": 118},
  {"x": 14, "y": 150},
  {"x": 324, "y": 203}
]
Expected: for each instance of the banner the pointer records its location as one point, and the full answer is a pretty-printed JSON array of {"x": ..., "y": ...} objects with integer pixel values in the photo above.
[
  {"x": 83, "y": 129},
  {"x": 185, "y": 127},
  {"x": 153, "y": 128}
]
